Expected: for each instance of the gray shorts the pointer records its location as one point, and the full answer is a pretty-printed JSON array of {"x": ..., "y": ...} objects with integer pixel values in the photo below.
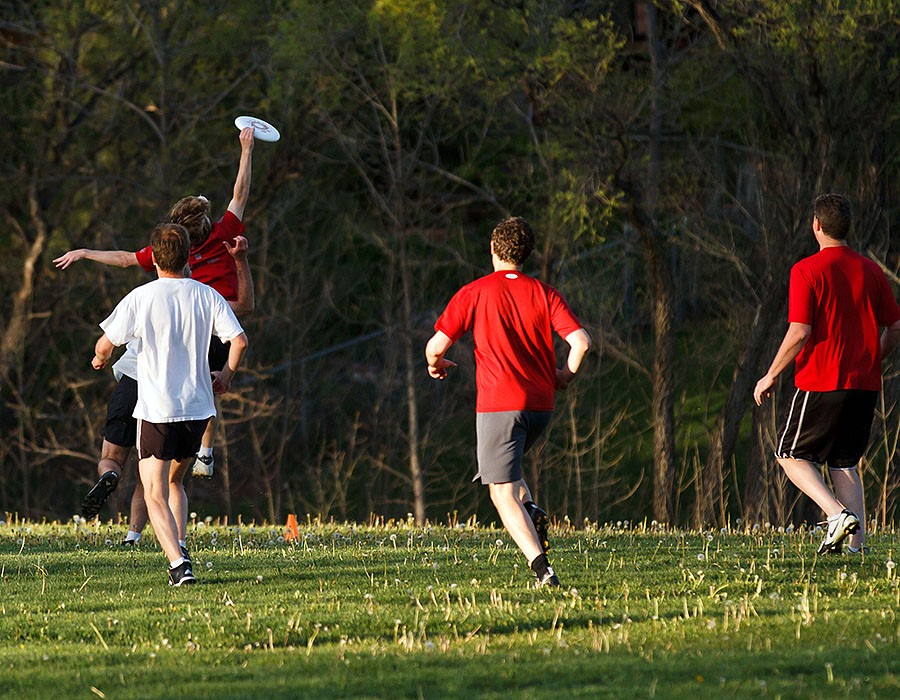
[{"x": 503, "y": 438}]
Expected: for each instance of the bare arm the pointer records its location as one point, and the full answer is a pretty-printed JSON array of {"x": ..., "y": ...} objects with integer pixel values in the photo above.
[
  {"x": 102, "y": 352},
  {"x": 245, "y": 297},
  {"x": 579, "y": 343},
  {"x": 794, "y": 339},
  {"x": 242, "y": 182},
  {"x": 890, "y": 336},
  {"x": 236, "y": 350},
  {"x": 116, "y": 258},
  {"x": 434, "y": 355}
]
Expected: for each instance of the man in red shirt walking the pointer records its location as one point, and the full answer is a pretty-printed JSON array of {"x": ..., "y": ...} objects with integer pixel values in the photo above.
[
  {"x": 512, "y": 318},
  {"x": 838, "y": 300}
]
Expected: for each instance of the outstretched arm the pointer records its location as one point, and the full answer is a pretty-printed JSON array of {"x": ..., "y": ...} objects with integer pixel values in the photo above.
[
  {"x": 245, "y": 296},
  {"x": 242, "y": 182},
  {"x": 116, "y": 258},
  {"x": 579, "y": 343},
  {"x": 434, "y": 355},
  {"x": 794, "y": 340}
]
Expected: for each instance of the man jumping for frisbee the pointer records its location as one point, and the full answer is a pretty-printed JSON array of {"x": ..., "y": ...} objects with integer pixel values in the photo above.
[
  {"x": 837, "y": 301},
  {"x": 512, "y": 318},
  {"x": 172, "y": 319},
  {"x": 209, "y": 262}
]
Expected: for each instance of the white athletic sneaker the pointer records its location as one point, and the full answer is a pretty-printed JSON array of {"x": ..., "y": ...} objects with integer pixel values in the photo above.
[
  {"x": 840, "y": 526},
  {"x": 203, "y": 467}
]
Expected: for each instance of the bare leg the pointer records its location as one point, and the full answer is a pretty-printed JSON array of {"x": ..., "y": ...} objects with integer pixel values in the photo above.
[
  {"x": 112, "y": 458},
  {"x": 155, "y": 477},
  {"x": 524, "y": 493},
  {"x": 515, "y": 519},
  {"x": 209, "y": 435},
  {"x": 809, "y": 480},
  {"x": 178, "y": 501},
  {"x": 138, "y": 517},
  {"x": 849, "y": 490}
]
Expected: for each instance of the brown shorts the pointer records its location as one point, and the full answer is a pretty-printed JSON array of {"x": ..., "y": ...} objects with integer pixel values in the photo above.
[{"x": 167, "y": 441}]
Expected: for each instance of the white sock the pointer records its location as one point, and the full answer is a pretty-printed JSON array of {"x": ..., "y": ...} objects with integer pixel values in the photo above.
[
  {"x": 133, "y": 536},
  {"x": 205, "y": 451},
  {"x": 177, "y": 562}
]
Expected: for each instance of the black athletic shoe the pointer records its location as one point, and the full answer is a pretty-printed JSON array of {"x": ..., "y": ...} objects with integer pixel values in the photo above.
[
  {"x": 97, "y": 496},
  {"x": 541, "y": 522},
  {"x": 185, "y": 553},
  {"x": 181, "y": 575}
]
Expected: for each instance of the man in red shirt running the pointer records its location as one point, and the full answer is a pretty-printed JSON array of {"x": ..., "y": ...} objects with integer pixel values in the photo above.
[
  {"x": 838, "y": 300},
  {"x": 209, "y": 261},
  {"x": 512, "y": 318}
]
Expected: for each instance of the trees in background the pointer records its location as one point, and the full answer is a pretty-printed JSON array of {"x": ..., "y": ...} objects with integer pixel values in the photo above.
[{"x": 666, "y": 154}]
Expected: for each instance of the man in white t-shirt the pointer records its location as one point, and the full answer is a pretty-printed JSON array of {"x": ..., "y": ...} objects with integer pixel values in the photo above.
[
  {"x": 172, "y": 319},
  {"x": 120, "y": 429}
]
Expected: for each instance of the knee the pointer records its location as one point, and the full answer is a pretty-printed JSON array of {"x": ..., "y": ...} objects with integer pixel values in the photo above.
[{"x": 501, "y": 494}]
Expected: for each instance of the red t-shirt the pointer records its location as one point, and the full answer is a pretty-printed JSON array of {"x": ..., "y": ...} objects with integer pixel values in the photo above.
[
  {"x": 210, "y": 263},
  {"x": 512, "y": 318},
  {"x": 845, "y": 297}
]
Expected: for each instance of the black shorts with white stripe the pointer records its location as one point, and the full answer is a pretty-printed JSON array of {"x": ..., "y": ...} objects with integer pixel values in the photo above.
[{"x": 827, "y": 427}]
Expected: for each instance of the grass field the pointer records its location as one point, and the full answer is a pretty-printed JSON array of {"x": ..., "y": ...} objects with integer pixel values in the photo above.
[{"x": 439, "y": 612}]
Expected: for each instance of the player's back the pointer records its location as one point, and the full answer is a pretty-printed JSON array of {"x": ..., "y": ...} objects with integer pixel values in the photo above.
[
  {"x": 174, "y": 320},
  {"x": 512, "y": 318},
  {"x": 845, "y": 297}
]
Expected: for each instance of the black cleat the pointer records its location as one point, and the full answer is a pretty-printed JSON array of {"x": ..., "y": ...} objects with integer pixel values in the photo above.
[
  {"x": 185, "y": 553},
  {"x": 97, "y": 496},
  {"x": 181, "y": 575},
  {"x": 541, "y": 522}
]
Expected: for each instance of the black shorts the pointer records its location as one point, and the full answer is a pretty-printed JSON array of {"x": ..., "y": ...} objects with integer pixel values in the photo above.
[
  {"x": 121, "y": 426},
  {"x": 827, "y": 427},
  {"x": 503, "y": 438},
  {"x": 166, "y": 441},
  {"x": 218, "y": 354}
]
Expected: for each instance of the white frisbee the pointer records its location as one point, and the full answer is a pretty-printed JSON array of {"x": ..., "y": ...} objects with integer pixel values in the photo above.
[{"x": 261, "y": 129}]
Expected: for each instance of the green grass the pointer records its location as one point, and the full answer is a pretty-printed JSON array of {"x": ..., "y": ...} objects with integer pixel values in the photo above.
[{"x": 402, "y": 612}]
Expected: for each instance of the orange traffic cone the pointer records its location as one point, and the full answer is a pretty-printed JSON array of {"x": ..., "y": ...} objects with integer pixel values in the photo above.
[{"x": 292, "y": 532}]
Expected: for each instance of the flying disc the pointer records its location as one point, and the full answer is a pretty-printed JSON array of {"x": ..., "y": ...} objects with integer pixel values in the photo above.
[{"x": 261, "y": 129}]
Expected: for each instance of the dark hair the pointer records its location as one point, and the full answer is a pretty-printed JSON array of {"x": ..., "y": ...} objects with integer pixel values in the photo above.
[
  {"x": 193, "y": 214},
  {"x": 171, "y": 247},
  {"x": 833, "y": 213},
  {"x": 513, "y": 240}
]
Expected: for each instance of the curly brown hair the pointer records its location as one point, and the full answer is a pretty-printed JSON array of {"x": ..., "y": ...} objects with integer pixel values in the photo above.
[
  {"x": 513, "y": 240},
  {"x": 192, "y": 213},
  {"x": 834, "y": 215},
  {"x": 171, "y": 247}
]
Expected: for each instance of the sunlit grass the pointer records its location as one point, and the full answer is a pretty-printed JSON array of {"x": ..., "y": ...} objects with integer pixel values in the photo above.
[{"x": 399, "y": 611}]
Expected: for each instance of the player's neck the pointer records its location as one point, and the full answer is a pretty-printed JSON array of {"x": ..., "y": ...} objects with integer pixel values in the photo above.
[
  {"x": 503, "y": 266},
  {"x": 825, "y": 242},
  {"x": 162, "y": 274}
]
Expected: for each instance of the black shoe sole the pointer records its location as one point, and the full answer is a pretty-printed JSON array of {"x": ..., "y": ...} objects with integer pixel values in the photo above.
[{"x": 97, "y": 496}]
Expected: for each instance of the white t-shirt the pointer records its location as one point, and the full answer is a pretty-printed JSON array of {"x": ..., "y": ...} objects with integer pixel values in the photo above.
[
  {"x": 172, "y": 321},
  {"x": 126, "y": 366}
]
